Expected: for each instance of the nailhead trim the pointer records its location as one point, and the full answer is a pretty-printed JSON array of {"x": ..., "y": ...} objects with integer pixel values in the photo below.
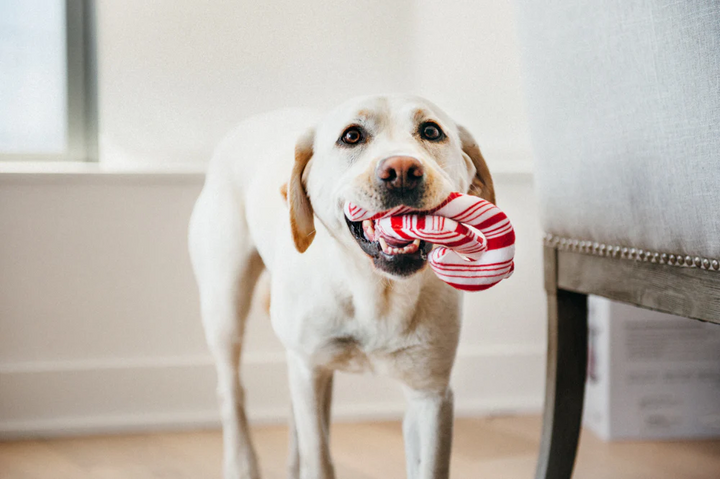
[{"x": 611, "y": 251}]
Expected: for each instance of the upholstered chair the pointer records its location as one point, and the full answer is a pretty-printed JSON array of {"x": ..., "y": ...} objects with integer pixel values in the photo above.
[{"x": 624, "y": 106}]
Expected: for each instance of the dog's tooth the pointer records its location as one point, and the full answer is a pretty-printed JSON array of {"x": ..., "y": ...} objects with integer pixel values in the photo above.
[
  {"x": 411, "y": 248},
  {"x": 384, "y": 245},
  {"x": 415, "y": 245},
  {"x": 369, "y": 230}
]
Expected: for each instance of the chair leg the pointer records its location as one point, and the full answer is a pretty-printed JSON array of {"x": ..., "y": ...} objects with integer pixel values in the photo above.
[{"x": 565, "y": 386}]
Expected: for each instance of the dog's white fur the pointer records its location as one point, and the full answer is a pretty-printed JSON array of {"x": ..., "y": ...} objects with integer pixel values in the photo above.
[{"x": 330, "y": 307}]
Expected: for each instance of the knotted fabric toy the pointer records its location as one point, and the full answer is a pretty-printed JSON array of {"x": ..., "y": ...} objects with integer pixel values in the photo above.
[{"x": 475, "y": 240}]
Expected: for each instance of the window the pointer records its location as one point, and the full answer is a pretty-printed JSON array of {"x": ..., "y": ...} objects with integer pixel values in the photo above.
[{"x": 47, "y": 80}]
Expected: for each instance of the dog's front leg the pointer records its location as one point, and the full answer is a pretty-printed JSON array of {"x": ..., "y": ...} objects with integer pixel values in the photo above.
[
  {"x": 428, "y": 434},
  {"x": 310, "y": 388},
  {"x": 294, "y": 453}
]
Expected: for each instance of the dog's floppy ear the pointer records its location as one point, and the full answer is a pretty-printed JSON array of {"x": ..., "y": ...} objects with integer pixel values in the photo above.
[
  {"x": 482, "y": 182},
  {"x": 301, "y": 211}
]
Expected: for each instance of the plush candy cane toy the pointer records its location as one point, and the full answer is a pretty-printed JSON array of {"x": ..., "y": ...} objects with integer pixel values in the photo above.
[{"x": 476, "y": 242}]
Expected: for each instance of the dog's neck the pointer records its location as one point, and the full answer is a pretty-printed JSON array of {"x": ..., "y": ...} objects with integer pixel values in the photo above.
[{"x": 388, "y": 296}]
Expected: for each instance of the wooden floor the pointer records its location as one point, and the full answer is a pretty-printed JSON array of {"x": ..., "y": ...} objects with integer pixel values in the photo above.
[{"x": 493, "y": 448}]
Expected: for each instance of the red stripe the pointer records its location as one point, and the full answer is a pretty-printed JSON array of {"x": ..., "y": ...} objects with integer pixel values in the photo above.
[
  {"x": 482, "y": 210},
  {"x": 467, "y": 211},
  {"x": 497, "y": 226},
  {"x": 479, "y": 269},
  {"x": 501, "y": 242},
  {"x": 473, "y": 288},
  {"x": 397, "y": 224},
  {"x": 457, "y": 276},
  {"x": 480, "y": 272}
]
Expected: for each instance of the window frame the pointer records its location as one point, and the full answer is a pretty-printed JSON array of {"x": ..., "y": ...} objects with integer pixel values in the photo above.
[{"x": 81, "y": 74}]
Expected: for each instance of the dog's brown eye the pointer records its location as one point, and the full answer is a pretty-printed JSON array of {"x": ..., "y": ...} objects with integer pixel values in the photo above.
[
  {"x": 430, "y": 131},
  {"x": 352, "y": 135}
]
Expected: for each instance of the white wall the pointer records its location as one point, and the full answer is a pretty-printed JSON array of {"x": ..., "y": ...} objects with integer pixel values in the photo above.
[
  {"x": 466, "y": 58},
  {"x": 175, "y": 76},
  {"x": 99, "y": 321}
]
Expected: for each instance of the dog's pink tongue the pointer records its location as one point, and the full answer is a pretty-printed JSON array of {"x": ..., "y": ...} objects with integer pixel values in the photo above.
[{"x": 395, "y": 242}]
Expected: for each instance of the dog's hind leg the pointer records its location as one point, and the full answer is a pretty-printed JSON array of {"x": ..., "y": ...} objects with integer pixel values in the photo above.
[
  {"x": 240, "y": 461},
  {"x": 227, "y": 266}
]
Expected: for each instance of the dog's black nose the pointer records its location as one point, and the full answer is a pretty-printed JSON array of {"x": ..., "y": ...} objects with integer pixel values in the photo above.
[{"x": 400, "y": 172}]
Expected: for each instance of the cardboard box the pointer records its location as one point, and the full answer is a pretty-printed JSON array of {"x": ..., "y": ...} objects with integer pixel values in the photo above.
[{"x": 651, "y": 375}]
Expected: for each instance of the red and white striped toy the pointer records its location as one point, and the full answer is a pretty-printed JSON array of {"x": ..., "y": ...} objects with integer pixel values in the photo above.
[{"x": 475, "y": 240}]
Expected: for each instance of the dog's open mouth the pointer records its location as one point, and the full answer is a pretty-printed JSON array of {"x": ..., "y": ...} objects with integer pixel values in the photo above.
[{"x": 400, "y": 258}]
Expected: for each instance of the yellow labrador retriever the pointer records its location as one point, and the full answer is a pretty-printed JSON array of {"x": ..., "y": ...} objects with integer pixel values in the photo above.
[{"x": 273, "y": 199}]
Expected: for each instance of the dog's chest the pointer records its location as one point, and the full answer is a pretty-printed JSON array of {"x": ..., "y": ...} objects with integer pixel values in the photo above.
[
  {"x": 369, "y": 334},
  {"x": 366, "y": 325},
  {"x": 359, "y": 352}
]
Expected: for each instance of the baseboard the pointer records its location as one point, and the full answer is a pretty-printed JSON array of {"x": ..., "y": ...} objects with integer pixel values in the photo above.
[
  {"x": 134, "y": 395},
  {"x": 184, "y": 421}
]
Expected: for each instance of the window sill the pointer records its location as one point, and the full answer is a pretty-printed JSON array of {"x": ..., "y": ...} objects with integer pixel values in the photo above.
[
  {"x": 29, "y": 171},
  {"x": 56, "y": 171}
]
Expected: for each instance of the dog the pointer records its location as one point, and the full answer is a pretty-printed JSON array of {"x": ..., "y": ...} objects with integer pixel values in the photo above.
[{"x": 273, "y": 199}]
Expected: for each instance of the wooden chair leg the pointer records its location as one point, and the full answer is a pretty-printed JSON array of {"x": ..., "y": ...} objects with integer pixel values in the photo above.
[{"x": 565, "y": 386}]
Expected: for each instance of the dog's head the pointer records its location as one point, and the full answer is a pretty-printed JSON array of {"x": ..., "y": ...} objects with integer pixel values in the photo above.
[{"x": 379, "y": 153}]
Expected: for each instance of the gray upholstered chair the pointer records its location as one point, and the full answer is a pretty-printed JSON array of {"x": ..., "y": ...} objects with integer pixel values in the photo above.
[{"x": 624, "y": 105}]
